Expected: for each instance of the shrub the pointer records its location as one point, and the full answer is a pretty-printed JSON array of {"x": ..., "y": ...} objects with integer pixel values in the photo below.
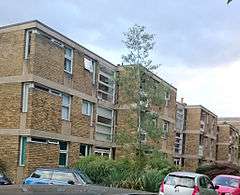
[
  {"x": 151, "y": 179},
  {"x": 212, "y": 170},
  {"x": 127, "y": 173}
]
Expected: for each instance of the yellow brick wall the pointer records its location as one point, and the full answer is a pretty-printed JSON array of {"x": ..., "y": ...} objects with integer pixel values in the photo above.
[
  {"x": 80, "y": 123},
  {"x": 10, "y": 105},
  {"x": 44, "y": 111},
  {"x": 9, "y": 153},
  {"x": 11, "y": 53}
]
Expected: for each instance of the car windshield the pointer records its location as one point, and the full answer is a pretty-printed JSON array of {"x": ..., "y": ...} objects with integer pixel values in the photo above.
[
  {"x": 183, "y": 181},
  {"x": 41, "y": 174},
  {"x": 226, "y": 181},
  {"x": 84, "y": 177}
]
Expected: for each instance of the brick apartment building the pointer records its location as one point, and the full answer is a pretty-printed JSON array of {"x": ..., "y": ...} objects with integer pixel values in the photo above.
[
  {"x": 57, "y": 100},
  {"x": 227, "y": 143},
  {"x": 196, "y": 136},
  {"x": 163, "y": 115},
  {"x": 228, "y": 140}
]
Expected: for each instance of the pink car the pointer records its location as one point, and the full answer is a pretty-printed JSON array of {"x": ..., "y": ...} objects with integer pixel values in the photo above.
[{"x": 228, "y": 184}]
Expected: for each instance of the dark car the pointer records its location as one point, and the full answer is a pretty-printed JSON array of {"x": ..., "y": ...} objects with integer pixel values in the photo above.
[
  {"x": 57, "y": 176},
  {"x": 4, "y": 180}
]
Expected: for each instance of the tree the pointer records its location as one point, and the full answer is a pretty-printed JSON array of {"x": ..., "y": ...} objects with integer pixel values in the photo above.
[
  {"x": 139, "y": 93},
  {"x": 229, "y": 1}
]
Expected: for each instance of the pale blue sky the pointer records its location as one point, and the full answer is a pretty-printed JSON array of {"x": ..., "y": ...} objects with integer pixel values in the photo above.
[{"x": 197, "y": 37}]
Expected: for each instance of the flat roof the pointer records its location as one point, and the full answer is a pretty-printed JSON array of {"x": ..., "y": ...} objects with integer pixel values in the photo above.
[
  {"x": 201, "y": 107},
  {"x": 224, "y": 123},
  {"x": 153, "y": 75},
  {"x": 233, "y": 119},
  {"x": 50, "y": 31}
]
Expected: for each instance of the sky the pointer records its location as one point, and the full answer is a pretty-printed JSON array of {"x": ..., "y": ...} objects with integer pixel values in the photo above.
[{"x": 197, "y": 41}]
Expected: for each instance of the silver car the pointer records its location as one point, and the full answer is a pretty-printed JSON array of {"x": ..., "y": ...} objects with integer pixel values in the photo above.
[{"x": 187, "y": 183}]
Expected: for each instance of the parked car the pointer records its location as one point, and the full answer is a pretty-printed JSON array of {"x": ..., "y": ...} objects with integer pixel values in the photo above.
[
  {"x": 4, "y": 180},
  {"x": 66, "y": 181},
  {"x": 57, "y": 176},
  {"x": 187, "y": 183},
  {"x": 228, "y": 184}
]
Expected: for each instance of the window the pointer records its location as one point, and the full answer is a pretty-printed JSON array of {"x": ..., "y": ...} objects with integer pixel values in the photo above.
[
  {"x": 23, "y": 146},
  {"x": 26, "y": 87},
  {"x": 201, "y": 140},
  {"x": 63, "y": 156},
  {"x": 104, "y": 124},
  {"x": 205, "y": 183},
  {"x": 177, "y": 161},
  {"x": 106, "y": 85},
  {"x": 25, "y": 95},
  {"x": 175, "y": 180},
  {"x": 85, "y": 150},
  {"x": 27, "y": 44},
  {"x": 38, "y": 140},
  {"x": 103, "y": 152},
  {"x": 89, "y": 64},
  {"x": 178, "y": 143},
  {"x": 63, "y": 176},
  {"x": 180, "y": 119},
  {"x": 42, "y": 174},
  {"x": 165, "y": 127},
  {"x": 68, "y": 61},
  {"x": 167, "y": 97},
  {"x": 143, "y": 136},
  {"x": 87, "y": 108},
  {"x": 66, "y": 103}
]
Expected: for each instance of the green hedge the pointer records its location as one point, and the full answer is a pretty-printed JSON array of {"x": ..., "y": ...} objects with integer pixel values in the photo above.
[
  {"x": 212, "y": 170},
  {"x": 127, "y": 173}
]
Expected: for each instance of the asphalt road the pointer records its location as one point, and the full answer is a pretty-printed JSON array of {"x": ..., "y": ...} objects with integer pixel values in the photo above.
[{"x": 65, "y": 190}]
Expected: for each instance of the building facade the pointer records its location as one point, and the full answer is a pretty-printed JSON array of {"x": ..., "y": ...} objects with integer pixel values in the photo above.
[
  {"x": 227, "y": 143},
  {"x": 200, "y": 136},
  {"x": 162, "y": 114},
  {"x": 57, "y": 100},
  {"x": 179, "y": 133}
]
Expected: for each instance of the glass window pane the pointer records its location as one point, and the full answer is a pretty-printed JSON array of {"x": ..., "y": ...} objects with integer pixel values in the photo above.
[
  {"x": 83, "y": 150},
  {"x": 84, "y": 107},
  {"x": 104, "y": 120},
  {"x": 62, "y": 159},
  {"x": 65, "y": 100},
  {"x": 63, "y": 176},
  {"x": 63, "y": 145},
  {"x": 103, "y": 128},
  {"x": 88, "y": 64},
  {"x": 65, "y": 113},
  {"x": 41, "y": 174},
  {"x": 68, "y": 65},
  {"x": 68, "y": 52},
  {"x": 87, "y": 108},
  {"x": 23, "y": 150},
  {"x": 103, "y": 137}
]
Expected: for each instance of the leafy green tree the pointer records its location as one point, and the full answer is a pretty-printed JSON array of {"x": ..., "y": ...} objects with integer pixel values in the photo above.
[
  {"x": 139, "y": 93},
  {"x": 229, "y": 1}
]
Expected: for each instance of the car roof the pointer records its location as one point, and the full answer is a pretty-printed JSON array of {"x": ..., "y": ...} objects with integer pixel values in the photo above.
[
  {"x": 229, "y": 176},
  {"x": 64, "y": 169},
  {"x": 186, "y": 174}
]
